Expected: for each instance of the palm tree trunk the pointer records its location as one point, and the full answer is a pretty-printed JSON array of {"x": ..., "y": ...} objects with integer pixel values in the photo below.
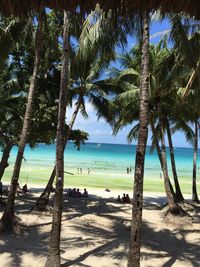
[
  {"x": 7, "y": 221},
  {"x": 136, "y": 223},
  {"x": 191, "y": 80},
  {"x": 160, "y": 157},
  {"x": 4, "y": 160},
  {"x": 178, "y": 194},
  {"x": 172, "y": 205},
  {"x": 43, "y": 200},
  {"x": 156, "y": 143},
  {"x": 53, "y": 259},
  {"x": 194, "y": 185}
]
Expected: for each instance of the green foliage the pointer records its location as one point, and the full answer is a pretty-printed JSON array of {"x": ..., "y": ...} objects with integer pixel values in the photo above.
[{"x": 78, "y": 137}]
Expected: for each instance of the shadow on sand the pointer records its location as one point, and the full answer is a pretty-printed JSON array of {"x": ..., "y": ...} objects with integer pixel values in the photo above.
[{"x": 99, "y": 241}]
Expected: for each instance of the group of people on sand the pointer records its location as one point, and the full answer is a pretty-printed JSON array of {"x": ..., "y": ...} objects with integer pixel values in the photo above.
[
  {"x": 125, "y": 199},
  {"x": 23, "y": 189},
  {"x": 76, "y": 193},
  {"x": 5, "y": 191}
]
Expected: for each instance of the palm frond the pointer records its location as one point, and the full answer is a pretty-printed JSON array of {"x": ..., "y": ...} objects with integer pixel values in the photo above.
[
  {"x": 133, "y": 134},
  {"x": 182, "y": 126}
]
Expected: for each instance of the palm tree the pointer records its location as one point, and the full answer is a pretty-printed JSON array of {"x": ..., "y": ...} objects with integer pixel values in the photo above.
[
  {"x": 194, "y": 185},
  {"x": 89, "y": 59},
  {"x": 53, "y": 258},
  {"x": 8, "y": 220},
  {"x": 162, "y": 88},
  {"x": 188, "y": 123},
  {"x": 178, "y": 193},
  {"x": 136, "y": 223},
  {"x": 9, "y": 119},
  {"x": 188, "y": 51},
  {"x": 43, "y": 200},
  {"x": 186, "y": 46},
  {"x": 174, "y": 209},
  {"x": 12, "y": 31},
  {"x": 84, "y": 75}
]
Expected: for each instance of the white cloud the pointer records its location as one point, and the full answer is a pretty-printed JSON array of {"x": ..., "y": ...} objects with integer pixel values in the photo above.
[{"x": 100, "y": 132}]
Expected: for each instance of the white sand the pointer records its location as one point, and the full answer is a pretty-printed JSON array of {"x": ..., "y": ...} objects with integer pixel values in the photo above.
[{"x": 95, "y": 232}]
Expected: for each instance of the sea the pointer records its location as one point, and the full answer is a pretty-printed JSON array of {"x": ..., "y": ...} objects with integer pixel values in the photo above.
[{"x": 103, "y": 158}]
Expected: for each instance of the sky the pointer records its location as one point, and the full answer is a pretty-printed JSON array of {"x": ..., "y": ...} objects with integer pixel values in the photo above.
[{"x": 99, "y": 131}]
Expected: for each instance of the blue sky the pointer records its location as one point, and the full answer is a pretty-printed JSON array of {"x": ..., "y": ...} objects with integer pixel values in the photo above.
[{"x": 99, "y": 131}]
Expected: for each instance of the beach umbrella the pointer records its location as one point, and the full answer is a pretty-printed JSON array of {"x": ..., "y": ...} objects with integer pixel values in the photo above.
[{"x": 124, "y": 7}]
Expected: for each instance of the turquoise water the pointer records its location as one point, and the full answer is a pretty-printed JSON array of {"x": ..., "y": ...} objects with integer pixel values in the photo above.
[{"x": 101, "y": 158}]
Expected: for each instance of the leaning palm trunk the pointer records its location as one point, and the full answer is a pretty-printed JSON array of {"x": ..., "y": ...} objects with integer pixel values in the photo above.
[
  {"x": 160, "y": 156},
  {"x": 178, "y": 194},
  {"x": 173, "y": 208},
  {"x": 193, "y": 76},
  {"x": 43, "y": 200},
  {"x": 8, "y": 220},
  {"x": 136, "y": 223},
  {"x": 156, "y": 143},
  {"x": 194, "y": 185},
  {"x": 4, "y": 160},
  {"x": 53, "y": 259}
]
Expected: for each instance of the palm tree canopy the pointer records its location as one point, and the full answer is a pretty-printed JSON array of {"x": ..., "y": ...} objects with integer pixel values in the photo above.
[{"x": 23, "y": 7}]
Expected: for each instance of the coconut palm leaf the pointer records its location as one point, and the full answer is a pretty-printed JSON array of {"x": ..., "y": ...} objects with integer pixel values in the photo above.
[
  {"x": 182, "y": 126},
  {"x": 133, "y": 134},
  {"x": 179, "y": 35},
  {"x": 128, "y": 72},
  {"x": 155, "y": 138}
]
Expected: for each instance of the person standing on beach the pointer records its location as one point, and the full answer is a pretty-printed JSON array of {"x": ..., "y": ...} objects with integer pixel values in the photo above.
[
  {"x": 127, "y": 170},
  {"x": 88, "y": 171},
  {"x": 85, "y": 193},
  {"x": 81, "y": 170}
]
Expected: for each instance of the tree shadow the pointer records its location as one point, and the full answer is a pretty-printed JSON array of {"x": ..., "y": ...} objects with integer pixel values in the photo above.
[
  {"x": 163, "y": 243},
  {"x": 93, "y": 238}
]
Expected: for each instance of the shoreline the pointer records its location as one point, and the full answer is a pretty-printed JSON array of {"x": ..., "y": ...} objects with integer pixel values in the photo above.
[
  {"x": 123, "y": 183},
  {"x": 104, "y": 193}
]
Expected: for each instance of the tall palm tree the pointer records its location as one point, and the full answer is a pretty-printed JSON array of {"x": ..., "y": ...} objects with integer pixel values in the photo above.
[
  {"x": 187, "y": 46},
  {"x": 194, "y": 185},
  {"x": 136, "y": 223},
  {"x": 97, "y": 33},
  {"x": 84, "y": 74},
  {"x": 178, "y": 193},
  {"x": 174, "y": 209},
  {"x": 161, "y": 88},
  {"x": 8, "y": 220},
  {"x": 53, "y": 258}
]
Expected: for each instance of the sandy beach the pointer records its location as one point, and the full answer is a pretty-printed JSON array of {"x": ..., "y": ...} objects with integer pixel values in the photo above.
[{"x": 95, "y": 232}]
